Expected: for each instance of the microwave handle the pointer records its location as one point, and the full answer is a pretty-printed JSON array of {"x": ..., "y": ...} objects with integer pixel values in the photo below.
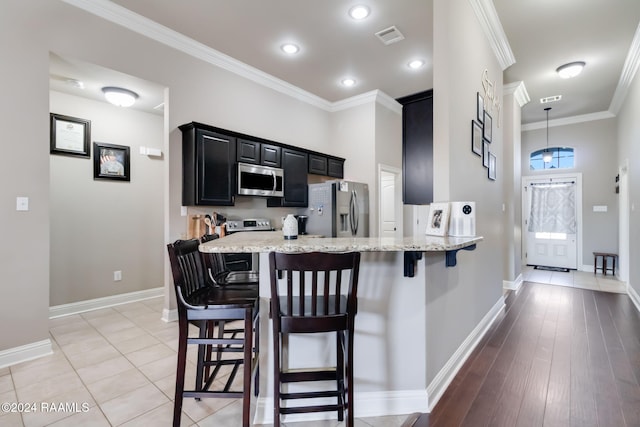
[{"x": 275, "y": 181}]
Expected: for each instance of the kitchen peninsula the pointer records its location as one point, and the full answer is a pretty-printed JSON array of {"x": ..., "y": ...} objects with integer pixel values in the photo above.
[{"x": 391, "y": 347}]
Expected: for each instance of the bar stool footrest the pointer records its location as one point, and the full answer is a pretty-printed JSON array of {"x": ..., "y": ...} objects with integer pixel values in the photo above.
[{"x": 317, "y": 408}]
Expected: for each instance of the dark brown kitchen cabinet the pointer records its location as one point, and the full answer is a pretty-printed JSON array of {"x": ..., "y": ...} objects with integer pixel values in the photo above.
[
  {"x": 248, "y": 151},
  {"x": 270, "y": 155},
  {"x": 317, "y": 164},
  {"x": 208, "y": 166},
  {"x": 295, "y": 166},
  {"x": 417, "y": 148},
  {"x": 335, "y": 168},
  {"x": 258, "y": 153}
]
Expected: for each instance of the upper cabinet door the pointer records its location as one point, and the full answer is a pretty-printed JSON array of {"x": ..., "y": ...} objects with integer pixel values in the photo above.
[
  {"x": 417, "y": 148},
  {"x": 317, "y": 164},
  {"x": 248, "y": 151},
  {"x": 270, "y": 155},
  {"x": 295, "y": 166},
  {"x": 208, "y": 167}
]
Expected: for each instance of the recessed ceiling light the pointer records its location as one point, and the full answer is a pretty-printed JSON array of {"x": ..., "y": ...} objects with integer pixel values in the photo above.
[
  {"x": 119, "y": 96},
  {"x": 416, "y": 63},
  {"x": 359, "y": 12},
  {"x": 290, "y": 48},
  {"x": 570, "y": 70},
  {"x": 348, "y": 82}
]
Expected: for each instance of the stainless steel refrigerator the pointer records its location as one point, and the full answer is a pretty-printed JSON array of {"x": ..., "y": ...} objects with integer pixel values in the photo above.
[{"x": 338, "y": 209}]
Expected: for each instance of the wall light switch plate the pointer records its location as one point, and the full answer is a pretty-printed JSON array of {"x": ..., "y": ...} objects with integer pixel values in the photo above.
[{"x": 22, "y": 203}]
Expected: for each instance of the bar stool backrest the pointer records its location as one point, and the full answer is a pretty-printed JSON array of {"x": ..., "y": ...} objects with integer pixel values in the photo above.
[{"x": 187, "y": 268}]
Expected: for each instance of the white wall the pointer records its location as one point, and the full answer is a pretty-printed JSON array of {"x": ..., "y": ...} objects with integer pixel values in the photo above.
[
  {"x": 122, "y": 221},
  {"x": 461, "y": 296},
  {"x": 628, "y": 135},
  {"x": 595, "y": 151},
  {"x": 197, "y": 92}
]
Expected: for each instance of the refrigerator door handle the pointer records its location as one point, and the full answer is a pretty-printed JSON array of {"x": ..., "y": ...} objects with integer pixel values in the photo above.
[{"x": 353, "y": 211}]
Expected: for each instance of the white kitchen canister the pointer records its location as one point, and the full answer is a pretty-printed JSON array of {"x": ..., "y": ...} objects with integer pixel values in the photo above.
[{"x": 290, "y": 227}]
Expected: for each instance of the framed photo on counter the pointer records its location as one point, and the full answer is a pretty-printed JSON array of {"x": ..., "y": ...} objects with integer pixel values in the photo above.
[
  {"x": 438, "y": 219},
  {"x": 111, "y": 161},
  {"x": 70, "y": 136}
]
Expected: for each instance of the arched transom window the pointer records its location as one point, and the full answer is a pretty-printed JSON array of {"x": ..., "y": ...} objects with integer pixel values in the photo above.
[{"x": 556, "y": 158}]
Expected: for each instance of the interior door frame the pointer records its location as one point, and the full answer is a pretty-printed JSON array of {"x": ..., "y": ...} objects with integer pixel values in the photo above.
[
  {"x": 397, "y": 173},
  {"x": 526, "y": 181},
  {"x": 623, "y": 222}
]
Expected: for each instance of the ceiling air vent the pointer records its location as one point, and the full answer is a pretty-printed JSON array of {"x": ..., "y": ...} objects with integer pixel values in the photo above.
[
  {"x": 550, "y": 99},
  {"x": 390, "y": 35}
]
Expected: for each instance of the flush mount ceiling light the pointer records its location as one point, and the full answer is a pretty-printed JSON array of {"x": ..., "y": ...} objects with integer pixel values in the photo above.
[
  {"x": 348, "y": 82},
  {"x": 415, "y": 64},
  {"x": 359, "y": 12},
  {"x": 290, "y": 48},
  {"x": 546, "y": 155},
  {"x": 570, "y": 70},
  {"x": 119, "y": 96}
]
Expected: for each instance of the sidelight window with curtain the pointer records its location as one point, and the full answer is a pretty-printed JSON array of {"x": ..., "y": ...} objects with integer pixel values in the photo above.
[{"x": 553, "y": 210}]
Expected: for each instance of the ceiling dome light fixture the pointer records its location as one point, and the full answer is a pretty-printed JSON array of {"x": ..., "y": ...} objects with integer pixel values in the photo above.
[
  {"x": 416, "y": 63},
  {"x": 119, "y": 96},
  {"x": 570, "y": 70},
  {"x": 290, "y": 48},
  {"x": 547, "y": 156},
  {"x": 348, "y": 82},
  {"x": 359, "y": 12}
]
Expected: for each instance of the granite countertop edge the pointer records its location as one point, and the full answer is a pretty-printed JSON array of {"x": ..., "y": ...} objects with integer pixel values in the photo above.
[{"x": 273, "y": 241}]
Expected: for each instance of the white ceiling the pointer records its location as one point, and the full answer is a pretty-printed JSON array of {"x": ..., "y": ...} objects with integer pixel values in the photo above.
[{"x": 543, "y": 34}]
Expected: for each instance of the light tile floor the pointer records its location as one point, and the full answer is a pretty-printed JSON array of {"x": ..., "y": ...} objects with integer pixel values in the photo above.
[
  {"x": 117, "y": 366},
  {"x": 576, "y": 279}
]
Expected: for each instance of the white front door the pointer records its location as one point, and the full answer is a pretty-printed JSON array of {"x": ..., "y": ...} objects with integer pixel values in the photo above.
[{"x": 551, "y": 222}]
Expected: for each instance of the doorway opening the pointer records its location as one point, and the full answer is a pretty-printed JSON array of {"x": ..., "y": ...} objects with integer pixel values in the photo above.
[{"x": 389, "y": 201}]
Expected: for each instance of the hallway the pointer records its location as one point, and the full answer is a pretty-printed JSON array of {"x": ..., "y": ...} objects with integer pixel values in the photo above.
[{"x": 558, "y": 356}]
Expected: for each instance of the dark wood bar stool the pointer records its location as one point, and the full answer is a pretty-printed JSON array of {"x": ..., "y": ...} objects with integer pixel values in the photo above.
[
  {"x": 604, "y": 256},
  {"x": 211, "y": 308},
  {"x": 314, "y": 298}
]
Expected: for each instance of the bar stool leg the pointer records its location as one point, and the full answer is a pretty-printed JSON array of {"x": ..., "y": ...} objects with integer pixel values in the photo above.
[{"x": 604, "y": 265}]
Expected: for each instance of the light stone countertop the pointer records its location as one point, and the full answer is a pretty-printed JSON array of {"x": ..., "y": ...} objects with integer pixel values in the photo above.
[{"x": 273, "y": 241}]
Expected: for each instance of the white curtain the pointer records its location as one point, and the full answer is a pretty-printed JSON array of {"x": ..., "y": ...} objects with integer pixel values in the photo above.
[{"x": 553, "y": 208}]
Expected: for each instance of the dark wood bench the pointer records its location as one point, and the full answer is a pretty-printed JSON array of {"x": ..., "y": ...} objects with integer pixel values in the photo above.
[{"x": 604, "y": 268}]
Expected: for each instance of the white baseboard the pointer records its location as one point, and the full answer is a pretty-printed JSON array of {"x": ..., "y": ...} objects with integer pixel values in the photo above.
[
  {"x": 515, "y": 285},
  {"x": 442, "y": 380},
  {"x": 169, "y": 315},
  {"x": 634, "y": 296},
  {"x": 97, "y": 303},
  {"x": 367, "y": 404},
  {"x": 25, "y": 353}
]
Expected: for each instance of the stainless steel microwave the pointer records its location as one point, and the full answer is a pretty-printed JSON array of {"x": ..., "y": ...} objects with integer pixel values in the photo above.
[{"x": 256, "y": 180}]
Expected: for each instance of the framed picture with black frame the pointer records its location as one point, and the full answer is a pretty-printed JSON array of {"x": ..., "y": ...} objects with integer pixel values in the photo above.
[
  {"x": 485, "y": 154},
  {"x": 492, "y": 167},
  {"x": 70, "y": 136},
  {"x": 476, "y": 137},
  {"x": 480, "y": 108},
  {"x": 111, "y": 161},
  {"x": 487, "y": 132}
]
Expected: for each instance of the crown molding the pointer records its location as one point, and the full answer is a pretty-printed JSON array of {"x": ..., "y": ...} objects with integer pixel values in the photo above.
[
  {"x": 628, "y": 73},
  {"x": 519, "y": 91},
  {"x": 132, "y": 21},
  {"x": 374, "y": 96},
  {"x": 569, "y": 120},
  {"x": 488, "y": 17}
]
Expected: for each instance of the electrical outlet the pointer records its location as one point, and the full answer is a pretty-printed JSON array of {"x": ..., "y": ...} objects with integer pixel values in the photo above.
[{"x": 117, "y": 276}]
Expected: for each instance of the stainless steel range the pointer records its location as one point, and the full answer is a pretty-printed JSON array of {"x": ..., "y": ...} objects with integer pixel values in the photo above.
[
  {"x": 245, "y": 261},
  {"x": 251, "y": 224}
]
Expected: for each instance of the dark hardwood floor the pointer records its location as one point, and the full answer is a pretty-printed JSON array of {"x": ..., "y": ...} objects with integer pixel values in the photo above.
[{"x": 558, "y": 356}]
